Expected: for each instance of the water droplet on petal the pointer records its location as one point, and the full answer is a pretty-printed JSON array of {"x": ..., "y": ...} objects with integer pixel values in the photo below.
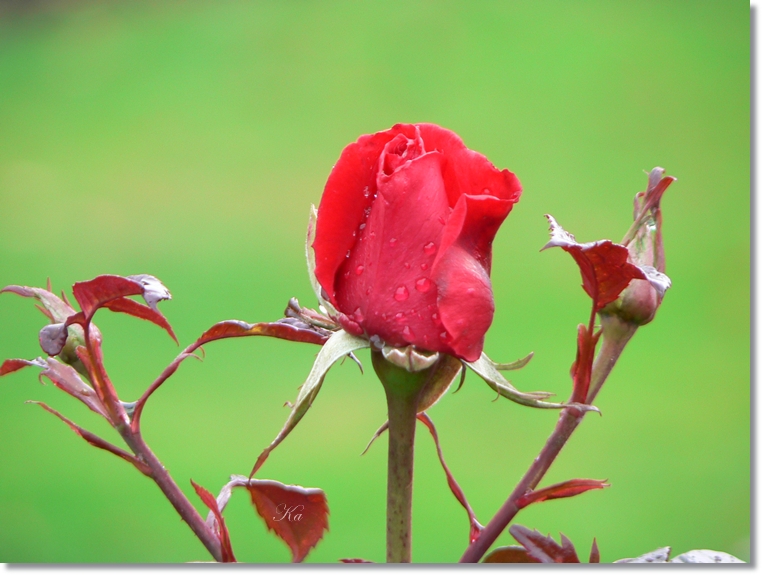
[
  {"x": 435, "y": 317},
  {"x": 349, "y": 252},
  {"x": 424, "y": 267},
  {"x": 407, "y": 265},
  {"x": 372, "y": 234},
  {"x": 443, "y": 335},
  {"x": 470, "y": 291},
  {"x": 367, "y": 292},
  {"x": 362, "y": 227},
  {"x": 423, "y": 285},
  {"x": 357, "y": 315},
  {"x": 401, "y": 293},
  {"x": 359, "y": 270},
  {"x": 392, "y": 242},
  {"x": 441, "y": 220},
  {"x": 429, "y": 249},
  {"x": 400, "y": 317},
  {"x": 407, "y": 332},
  {"x": 366, "y": 192}
]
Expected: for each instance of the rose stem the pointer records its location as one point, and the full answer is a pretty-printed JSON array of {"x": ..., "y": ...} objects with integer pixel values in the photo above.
[
  {"x": 568, "y": 421},
  {"x": 173, "y": 493},
  {"x": 402, "y": 392},
  {"x": 159, "y": 474}
]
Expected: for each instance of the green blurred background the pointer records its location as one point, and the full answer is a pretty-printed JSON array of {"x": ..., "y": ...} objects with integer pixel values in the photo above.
[{"x": 188, "y": 139}]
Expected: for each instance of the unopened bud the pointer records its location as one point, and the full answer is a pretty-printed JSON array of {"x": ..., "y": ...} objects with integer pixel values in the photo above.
[{"x": 638, "y": 303}]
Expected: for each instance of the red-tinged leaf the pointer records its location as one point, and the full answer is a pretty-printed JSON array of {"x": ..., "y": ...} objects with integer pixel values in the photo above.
[
  {"x": 582, "y": 368},
  {"x": 66, "y": 378},
  {"x": 354, "y": 561},
  {"x": 475, "y": 527},
  {"x": 287, "y": 328},
  {"x": 297, "y": 515},
  {"x": 136, "y": 309},
  {"x": 510, "y": 554},
  {"x": 595, "y": 555},
  {"x": 11, "y": 365},
  {"x": 560, "y": 490},
  {"x": 100, "y": 379},
  {"x": 603, "y": 264},
  {"x": 94, "y": 293},
  {"x": 97, "y": 292},
  {"x": 63, "y": 376},
  {"x": 55, "y": 308},
  {"x": 96, "y": 441},
  {"x": 222, "y": 531},
  {"x": 542, "y": 547}
]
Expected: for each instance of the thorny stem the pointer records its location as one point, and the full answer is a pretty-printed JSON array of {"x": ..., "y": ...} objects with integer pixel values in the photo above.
[
  {"x": 173, "y": 493},
  {"x": 570, "y": 418},
  {"x": 158, "y": 472}
]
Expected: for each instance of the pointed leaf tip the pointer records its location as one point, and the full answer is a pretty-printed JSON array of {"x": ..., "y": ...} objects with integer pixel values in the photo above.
[
  {"x": 595, "y": 554},
  {"x": 560, "y": 490},
  {"x": 221, "y": 530},
  {"x": 544, "y": 548},
  {"x": 11, "y": 365}
]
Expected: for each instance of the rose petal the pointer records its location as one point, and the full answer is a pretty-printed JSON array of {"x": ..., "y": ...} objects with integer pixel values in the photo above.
[
  {"x": 349, "y": 191},
  {"x": 387, "y": 285},
  {"x": 467, "y": 171},
  {"x": 461, "y": 270}
]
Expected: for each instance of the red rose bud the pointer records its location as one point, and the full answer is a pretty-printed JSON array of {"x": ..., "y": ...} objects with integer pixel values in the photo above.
[
  {"x": 638, "y": 303},
  {"x": 403, "y": 241}
]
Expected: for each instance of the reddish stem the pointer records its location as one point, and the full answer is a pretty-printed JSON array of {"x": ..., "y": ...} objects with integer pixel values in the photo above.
[
  {"x": 614, "y": 341},
  {"x": 174, "y": 494},
  {"x": 134, "y": 440},
  {"x": 168, "y": 371},
  {"x": 567, "y": 423}
]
